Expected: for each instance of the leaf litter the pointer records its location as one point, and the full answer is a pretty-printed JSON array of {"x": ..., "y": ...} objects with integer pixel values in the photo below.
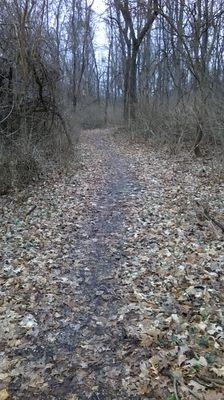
[{"x": 112, "y": 281}]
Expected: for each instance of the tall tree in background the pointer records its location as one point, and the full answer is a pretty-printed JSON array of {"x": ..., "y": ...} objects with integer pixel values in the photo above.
[{"x": 132, "y": 35}]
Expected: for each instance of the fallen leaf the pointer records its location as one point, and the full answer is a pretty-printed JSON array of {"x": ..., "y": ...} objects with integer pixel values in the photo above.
[{"x": 4, "y": 395}]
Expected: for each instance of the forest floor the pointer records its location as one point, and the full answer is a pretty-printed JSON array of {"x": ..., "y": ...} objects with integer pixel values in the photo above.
[{"x": 112, "y": 287}]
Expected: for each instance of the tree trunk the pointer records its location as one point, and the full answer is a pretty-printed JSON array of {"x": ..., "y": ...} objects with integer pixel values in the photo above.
[
  {"x": 133, "y": 85},
  {"x": 197, "y": 149},
  {"x": 126, "y": 87}
]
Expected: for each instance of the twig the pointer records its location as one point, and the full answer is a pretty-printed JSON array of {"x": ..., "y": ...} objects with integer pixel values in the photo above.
[
  {"x": 31, "y": 210},
  {"x": 210, "y": 218},
  {"x": 213, "y": 226},
  {"x": 7, "y": 116},
  {"x": 217, "y": 223},
  {"x": 211, "y": 382},
  {"x": 194, "y": 395},
  {"x": 175, "y": 388}
]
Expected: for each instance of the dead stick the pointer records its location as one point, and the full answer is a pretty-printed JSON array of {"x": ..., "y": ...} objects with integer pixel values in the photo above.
[
  {"x": 194, "y": 394},
  {"x": 211, "y": 381},
  {"x": 175, "y": 388},
  {"x": 217, "y": 223},
  {"x": 210, "y": 218},
  {"x": 31, "y": 210}
]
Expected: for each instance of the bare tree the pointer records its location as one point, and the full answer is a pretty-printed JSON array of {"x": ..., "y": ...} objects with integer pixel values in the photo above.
[{"x": 131, "y": 39}]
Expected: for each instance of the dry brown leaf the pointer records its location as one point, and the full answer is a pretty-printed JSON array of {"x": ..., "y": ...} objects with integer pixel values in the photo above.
[
  {"x": 4, "y": 395},
  {"x": 218, "y": 371}
]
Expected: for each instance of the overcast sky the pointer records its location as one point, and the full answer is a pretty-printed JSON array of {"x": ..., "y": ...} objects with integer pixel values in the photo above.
[
  {"x": 100, "y": 35},
  {"x": 99, "y": 6}
]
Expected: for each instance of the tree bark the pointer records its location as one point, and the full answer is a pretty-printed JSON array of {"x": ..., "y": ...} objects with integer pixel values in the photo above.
[{"x": 133, "y": 84}]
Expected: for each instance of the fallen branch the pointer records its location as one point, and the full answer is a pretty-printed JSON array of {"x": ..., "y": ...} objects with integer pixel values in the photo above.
[
  {"x": 8, "y": 115},
  {"x": 175, "y": 381},
  {"x": 211, "y": 382},
  {"x": 207, "y": 216},
  {"x": 31, "y": 210}
]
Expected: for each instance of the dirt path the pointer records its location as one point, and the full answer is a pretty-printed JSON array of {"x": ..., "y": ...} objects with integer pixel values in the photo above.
[
  {"x": 111, "y": 288},
  {"x": 98, "y": 336},
  {"x": 67, "y": 344}
]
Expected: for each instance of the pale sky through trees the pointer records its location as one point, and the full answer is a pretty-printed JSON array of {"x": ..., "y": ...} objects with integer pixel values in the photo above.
[
  {"x": 99, "y": 6},
  {"x": 100, "y": 34}
]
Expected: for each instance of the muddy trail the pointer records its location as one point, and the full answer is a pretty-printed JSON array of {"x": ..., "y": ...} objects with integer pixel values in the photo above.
[
  {"x": 69, "y": 344},
  {"x": 98, "y": 334}
]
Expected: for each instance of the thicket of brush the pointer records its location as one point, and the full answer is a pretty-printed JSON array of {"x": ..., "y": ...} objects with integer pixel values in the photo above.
[
  {"x": 176, "y": 125},
  {"x": 33, "y": 127},
  {"x": 47, "y": 68},
  {"x": 169, "y": 55}
]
